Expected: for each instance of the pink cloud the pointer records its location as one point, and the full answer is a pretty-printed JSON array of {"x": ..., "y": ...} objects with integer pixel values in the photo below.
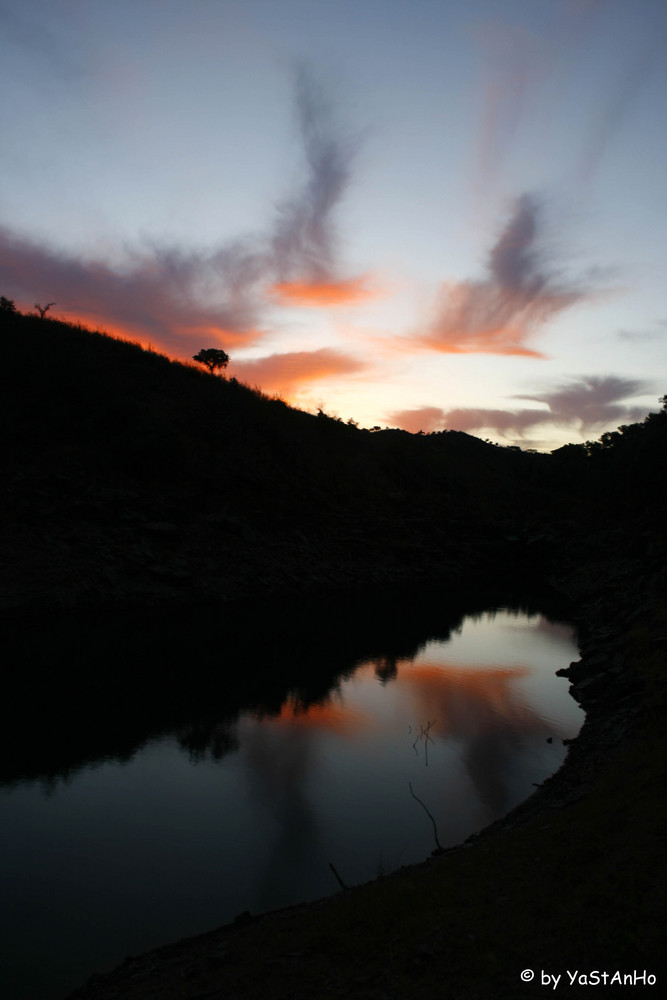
[{"x": 426, "y": 419}]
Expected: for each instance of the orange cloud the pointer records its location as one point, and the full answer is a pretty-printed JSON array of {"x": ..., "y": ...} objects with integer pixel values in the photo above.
[
  {"x": 284, "y": 373},
  {"x": 323, "y": 294}
]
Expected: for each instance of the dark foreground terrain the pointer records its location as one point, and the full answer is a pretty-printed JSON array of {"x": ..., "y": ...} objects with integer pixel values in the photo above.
[{"x": 132, "y": 481}]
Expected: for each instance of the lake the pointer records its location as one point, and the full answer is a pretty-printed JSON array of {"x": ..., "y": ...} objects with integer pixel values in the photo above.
[{"x": 158, "y": 788}]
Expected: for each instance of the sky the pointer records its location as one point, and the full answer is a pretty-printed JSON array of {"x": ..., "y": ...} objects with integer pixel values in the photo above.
[{"x": 409, "y": 213}]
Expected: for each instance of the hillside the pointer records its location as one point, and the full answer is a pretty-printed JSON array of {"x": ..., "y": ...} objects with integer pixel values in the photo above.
[{"x": 135, "y": 479}]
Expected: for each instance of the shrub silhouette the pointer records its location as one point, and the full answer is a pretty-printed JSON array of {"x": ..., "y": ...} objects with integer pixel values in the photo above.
[{"x": 212, "y": 358}]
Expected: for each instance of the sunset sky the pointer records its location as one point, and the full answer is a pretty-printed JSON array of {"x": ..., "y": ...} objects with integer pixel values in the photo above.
[{"x": 413, "y": 213}]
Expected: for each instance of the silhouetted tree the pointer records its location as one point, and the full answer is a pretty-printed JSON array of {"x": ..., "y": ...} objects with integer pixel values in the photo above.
[
  {"x": 42, "y": 310},
  {"x": 7, "y": 305},
  {"x": 212, "y": 358}
]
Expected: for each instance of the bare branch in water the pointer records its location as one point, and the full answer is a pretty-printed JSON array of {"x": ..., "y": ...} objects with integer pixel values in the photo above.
[
  {"x": 435, "y": 829},
  {"x": 340, "y": 881},
  {"x": 425, "y": 735}
]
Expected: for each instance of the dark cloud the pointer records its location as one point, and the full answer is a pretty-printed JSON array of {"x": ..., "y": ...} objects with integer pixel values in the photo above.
[
  {"x": 589, "y": 404},
  {"x": 166, "y": 294},
  {"x": 593, "y": 402},
  {"x": 511, "y": 423},
  {"x": 304, "y": 238},
  {"x": 520, "y": 294}
]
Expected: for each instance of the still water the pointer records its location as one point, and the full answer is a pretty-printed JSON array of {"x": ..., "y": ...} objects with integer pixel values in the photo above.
[{"x": 198, "y": 822}]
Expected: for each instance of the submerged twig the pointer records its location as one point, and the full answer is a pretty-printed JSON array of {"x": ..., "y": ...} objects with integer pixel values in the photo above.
[
  {"x": 340, "y": 881},
  {"x": 435, "y": 829},
  {"x": 425, "y": 735}
]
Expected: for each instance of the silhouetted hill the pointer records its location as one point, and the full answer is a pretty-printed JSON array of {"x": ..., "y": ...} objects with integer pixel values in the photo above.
[{"x": 133, "y": 478}]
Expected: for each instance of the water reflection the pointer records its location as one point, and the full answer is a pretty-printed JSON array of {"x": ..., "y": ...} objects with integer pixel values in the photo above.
[
  {"x": 203, "y": 795},
  {"x": 477, "y": 710}
]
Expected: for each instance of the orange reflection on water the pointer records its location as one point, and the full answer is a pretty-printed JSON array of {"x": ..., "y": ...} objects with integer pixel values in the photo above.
[
  {"x": 331, "y": 716},
  {"x": 467, "y": 699},
  {"x": 462, "y": 702},
  {"x": 471, "y": 732}
]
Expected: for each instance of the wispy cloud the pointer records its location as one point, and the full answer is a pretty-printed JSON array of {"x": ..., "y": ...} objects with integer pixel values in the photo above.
[
  {"x": 643, "y": 335},
  {"x": 525, "y": 68},
  {"x": 618, "y": 103},
  {"x": 521, "y": 292},
  {"x": 588, "y": 404},
  {"x": 304, "y": 241},
  {"x": 514, "y": 61}
]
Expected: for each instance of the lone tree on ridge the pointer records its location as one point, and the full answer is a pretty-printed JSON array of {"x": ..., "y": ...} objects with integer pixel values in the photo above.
[{"x": 212, "y": 358}]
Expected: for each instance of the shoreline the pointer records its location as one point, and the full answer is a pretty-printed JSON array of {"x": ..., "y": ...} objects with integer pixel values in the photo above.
[{"x": 610, "y": 686}]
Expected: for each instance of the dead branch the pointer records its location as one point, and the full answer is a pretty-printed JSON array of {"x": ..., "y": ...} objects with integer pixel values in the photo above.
[
  {"x": 340, "y": 881},
  {"x": 435, "y": 829}
]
